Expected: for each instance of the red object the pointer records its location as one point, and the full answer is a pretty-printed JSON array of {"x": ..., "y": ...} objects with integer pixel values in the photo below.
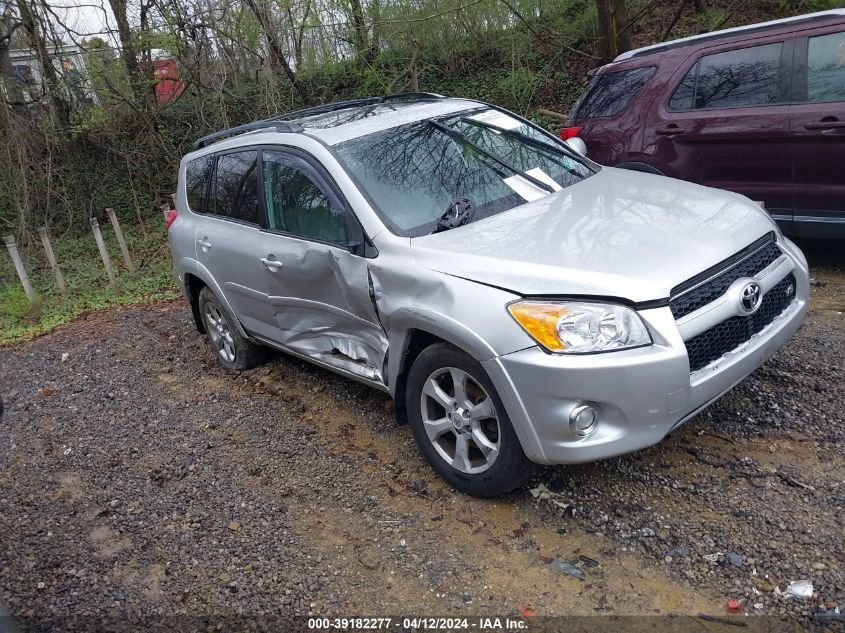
[
  {"x": 569, "y": 132},
  {"x": 168, "y": 83},
  {"x": 171, "y": 218},
  {"x": 733, "y": 606},
  {"x": 527, "y": 612}
]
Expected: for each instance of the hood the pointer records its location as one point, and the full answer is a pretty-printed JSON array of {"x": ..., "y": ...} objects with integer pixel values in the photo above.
[{"x": 618, "y": 233}]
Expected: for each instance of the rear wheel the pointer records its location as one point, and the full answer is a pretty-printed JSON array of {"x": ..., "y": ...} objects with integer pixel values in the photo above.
[
  {"x": 461, "y": 426},
  {"x": 232, "y": 350}
]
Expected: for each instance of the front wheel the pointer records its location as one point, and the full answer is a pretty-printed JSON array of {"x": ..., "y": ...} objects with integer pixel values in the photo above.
[{"x": 461, "y": 426}]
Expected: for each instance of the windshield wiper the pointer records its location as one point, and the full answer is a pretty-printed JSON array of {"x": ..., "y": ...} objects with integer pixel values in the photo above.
[
  {"x": 458, "y": 213},
  {"x": 528, "y": 140},
  {"x": 463, "y": 139}
]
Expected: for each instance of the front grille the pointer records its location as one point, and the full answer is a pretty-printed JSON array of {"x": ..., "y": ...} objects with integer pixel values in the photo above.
[
  {"x": 747, "y": 263},
  {"x": 720, "y": 339}
]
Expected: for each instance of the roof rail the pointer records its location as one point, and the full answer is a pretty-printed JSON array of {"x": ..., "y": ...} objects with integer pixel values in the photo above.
[
  {"x": 355, "y": 103},
  {"x": 280, "y": 126},
  {"x": 739, "y": 30}
]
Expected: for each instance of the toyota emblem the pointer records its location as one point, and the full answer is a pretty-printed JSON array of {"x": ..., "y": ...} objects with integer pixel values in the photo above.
[{"x": 750, "y": 297}]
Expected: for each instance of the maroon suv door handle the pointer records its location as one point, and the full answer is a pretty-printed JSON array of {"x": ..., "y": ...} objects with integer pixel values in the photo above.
[
  {"x": 669, "y": 130},
  {"x": 824, "y": 125}
]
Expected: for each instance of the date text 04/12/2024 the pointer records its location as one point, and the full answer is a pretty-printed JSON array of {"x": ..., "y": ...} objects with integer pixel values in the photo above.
[{"x": 482, "y": 624}]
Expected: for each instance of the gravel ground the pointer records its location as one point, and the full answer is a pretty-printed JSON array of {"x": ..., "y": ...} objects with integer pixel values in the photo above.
[{"x": 143, "y": 483}]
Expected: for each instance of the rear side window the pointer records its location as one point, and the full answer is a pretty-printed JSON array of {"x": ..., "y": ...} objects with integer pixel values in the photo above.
[
  {"x": 733, "y": 79},
  {"x": 826, "y": 68},
  {"x": 611, "y": 92},
  {"x": 236, "y": 187},
  {"x": 197, "y": 175}
]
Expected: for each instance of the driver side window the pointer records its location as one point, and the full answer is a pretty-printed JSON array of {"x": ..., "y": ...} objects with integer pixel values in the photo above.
[{"x": 299, "y": 206}]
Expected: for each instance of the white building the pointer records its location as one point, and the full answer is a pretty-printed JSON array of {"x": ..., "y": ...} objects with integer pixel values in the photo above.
[{"x": 27, "y": 81}]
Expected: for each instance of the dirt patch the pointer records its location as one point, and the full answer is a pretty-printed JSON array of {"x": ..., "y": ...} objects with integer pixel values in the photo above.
[{"x": 107, "y": 542}]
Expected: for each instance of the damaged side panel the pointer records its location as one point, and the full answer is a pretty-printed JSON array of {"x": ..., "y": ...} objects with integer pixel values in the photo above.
[
  {"x": 332, "y": 336},
  {"x": 409, "y": 297},
  {"x": 319, "y": 305}
]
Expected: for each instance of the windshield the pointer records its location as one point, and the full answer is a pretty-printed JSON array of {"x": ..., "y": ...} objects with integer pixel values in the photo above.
[{"x": 413, "y": 172}]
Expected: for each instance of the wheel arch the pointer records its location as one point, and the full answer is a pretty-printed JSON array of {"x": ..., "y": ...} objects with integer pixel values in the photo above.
[
  {"x": 416, "y": 340},
  {"x": 193, "y": 286},
  {"x": 413, "y": 330},
  {"x": 193, "y": 283}
]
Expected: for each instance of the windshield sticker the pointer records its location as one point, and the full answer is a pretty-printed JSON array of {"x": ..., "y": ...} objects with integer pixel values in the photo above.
[{"x": 497, "y": 119}]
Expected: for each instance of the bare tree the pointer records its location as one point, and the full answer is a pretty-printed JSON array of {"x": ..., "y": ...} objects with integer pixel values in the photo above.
[
  {"x": 129, "y": 53},
  {"x": 278, "y": 58},
  {"x": 32, "y": 24},
  {"x": 615, "y": 26},
  {"x": 361, "y": 32}
]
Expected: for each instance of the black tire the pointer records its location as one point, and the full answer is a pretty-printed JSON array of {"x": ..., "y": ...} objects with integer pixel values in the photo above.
[
  {"x": 244, "y": 353},
  {"x": 510, "y": 468}
]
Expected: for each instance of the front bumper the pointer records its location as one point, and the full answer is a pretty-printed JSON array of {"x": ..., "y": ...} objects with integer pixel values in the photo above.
[{"x": 642, "y": 394}]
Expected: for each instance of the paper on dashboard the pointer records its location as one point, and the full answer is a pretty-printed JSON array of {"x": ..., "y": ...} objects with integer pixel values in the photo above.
[
  {"x": 497, "y": 119},
  {"x": 528, "y": 190}
]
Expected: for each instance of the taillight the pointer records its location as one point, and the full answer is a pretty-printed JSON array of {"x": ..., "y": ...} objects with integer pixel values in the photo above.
[
  {"x": 569, "y": 132},
  {"x": 171, "y": 218}
]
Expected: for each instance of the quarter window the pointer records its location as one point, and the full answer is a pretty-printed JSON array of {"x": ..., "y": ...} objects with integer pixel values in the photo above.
[
  {"x": 297, "y": 205},
  {"x": 733, "y": 79},
  {"x": 236, "y": 187},
  {"x": 197, "y": 175},
  {"x": 611, "y": 92},
  {"x": 826, "y": 68}
]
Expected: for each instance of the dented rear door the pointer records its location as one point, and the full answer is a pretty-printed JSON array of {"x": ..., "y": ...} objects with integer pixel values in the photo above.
[{"x": 318, "y": 293}]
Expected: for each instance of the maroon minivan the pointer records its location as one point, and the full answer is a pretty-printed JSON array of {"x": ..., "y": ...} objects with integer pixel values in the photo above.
[{"x": 759, "y": 110}]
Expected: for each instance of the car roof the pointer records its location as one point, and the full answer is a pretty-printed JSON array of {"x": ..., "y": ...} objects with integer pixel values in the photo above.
[
  {"x": 725, "y": 33},
  {"x": 353, "y": 122},
  {"x": 335, "y": 123}
]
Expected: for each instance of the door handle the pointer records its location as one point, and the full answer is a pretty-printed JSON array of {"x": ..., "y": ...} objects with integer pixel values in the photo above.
[
  {"x": 669, "y": 130},
  {"x": 272, "y": 265},
  {"x": 824, "y": 125},
  {"x": 204, "y": 243}
]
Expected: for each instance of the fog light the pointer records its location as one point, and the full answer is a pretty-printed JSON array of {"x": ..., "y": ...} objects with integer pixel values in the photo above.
[{"x": 583, "y": 420}]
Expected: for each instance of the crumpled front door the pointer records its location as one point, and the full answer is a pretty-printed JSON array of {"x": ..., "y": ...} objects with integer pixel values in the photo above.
[{"x": 319, "y": 304}]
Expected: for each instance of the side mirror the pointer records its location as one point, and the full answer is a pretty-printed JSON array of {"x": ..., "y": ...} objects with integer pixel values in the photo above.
[{"x": 577, "y": 145}]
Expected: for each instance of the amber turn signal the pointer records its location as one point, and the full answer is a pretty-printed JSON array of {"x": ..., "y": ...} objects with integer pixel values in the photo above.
[{"x": 540, "y": 320}]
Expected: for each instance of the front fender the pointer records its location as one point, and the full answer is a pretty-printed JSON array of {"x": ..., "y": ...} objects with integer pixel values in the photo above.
[{"x": 405, "y": 320}]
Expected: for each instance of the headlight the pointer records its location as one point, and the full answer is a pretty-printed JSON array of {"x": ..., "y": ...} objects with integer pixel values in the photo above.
[{"x": 574, "y": 327}]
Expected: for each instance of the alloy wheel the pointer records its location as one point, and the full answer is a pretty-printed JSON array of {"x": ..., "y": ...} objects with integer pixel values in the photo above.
[
  {"x": 219, "y": 332},
  {"x": 460, "y": 420}
]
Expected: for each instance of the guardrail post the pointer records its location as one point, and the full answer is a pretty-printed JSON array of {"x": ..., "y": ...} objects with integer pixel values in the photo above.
[
  {"x": 19, "y": 267},
  {"x": 51, "y": 257},
  {"x": 104, "y": 254},
  {"x": 120, "y": 240}
]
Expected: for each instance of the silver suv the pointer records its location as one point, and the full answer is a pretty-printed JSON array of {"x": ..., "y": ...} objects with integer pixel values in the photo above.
[{"x": 520, "y": 303}]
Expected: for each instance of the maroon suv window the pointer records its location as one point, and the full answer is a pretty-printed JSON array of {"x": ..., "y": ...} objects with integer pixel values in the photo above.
[
  {"x": 733, "y": 79},
  {"x": 826, "y": 68},
  {"x": 609, "y": 93}
]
